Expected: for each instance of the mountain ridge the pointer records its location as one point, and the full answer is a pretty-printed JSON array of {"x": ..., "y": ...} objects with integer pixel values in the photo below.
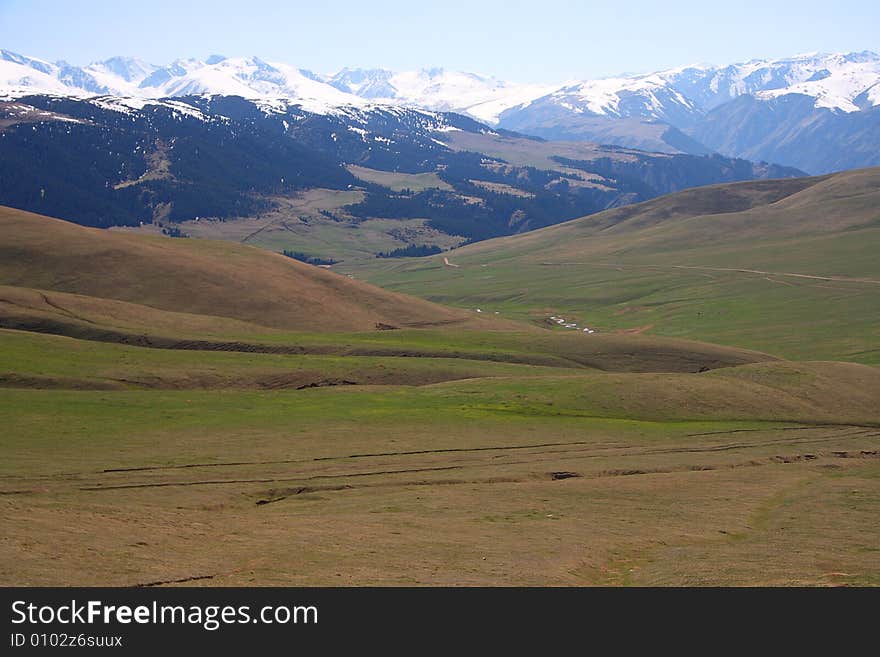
[
  {"x": 252, "y": 77},
  {"x": 694, "y": 109},
  {"x": 835, "y": 80}
]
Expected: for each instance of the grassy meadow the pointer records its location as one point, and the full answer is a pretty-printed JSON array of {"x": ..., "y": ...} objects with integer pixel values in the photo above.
[
  {"x": 141, "y": 466},
  {"x": 213, "y": 414}
]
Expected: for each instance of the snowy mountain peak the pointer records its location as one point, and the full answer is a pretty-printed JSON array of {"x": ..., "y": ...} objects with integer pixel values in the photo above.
[
  {"x": 127, "y": 68},
  {"x": 36, "y": 64},
  {"x": 438, "y": 89},
  {"x": 371, "y": 83}
]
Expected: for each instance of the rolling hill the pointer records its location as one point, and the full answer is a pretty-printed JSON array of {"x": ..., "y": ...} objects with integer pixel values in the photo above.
[
  {"x": 198, "y": 277},
  {"x": 93, "y": 284},
  {"x": 784, "y": 266}
]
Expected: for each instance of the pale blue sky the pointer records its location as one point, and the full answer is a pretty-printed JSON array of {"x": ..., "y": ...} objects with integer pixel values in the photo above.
[{"x": 522, "y": 41}]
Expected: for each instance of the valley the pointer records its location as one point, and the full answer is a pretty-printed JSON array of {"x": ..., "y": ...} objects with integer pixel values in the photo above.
[
  {"x": 266, "y": 326},
  {"x": 782, "y": 267}
]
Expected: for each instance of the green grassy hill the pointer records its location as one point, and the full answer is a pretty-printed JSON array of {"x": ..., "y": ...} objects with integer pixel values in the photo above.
[{"x": 785, "y": 266}]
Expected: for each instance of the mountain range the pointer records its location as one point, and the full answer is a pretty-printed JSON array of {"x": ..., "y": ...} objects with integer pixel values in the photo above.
[{"x": 816, "y": 112}]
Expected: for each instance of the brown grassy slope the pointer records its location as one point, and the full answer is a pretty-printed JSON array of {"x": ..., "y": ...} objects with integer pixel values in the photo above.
[
  {"x": 108, "y": 320},
  {"x": 705, "y": 216},
  {"x": 200, "y": 277}
]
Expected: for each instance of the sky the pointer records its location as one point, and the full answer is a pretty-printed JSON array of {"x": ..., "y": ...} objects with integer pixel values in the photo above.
[{"x": 533, "y": 41}]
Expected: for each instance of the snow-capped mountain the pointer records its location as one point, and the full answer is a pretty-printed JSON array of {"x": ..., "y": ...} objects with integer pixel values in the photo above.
[
  {"x": 817, "y": 112},
  {"x": 435, "y": 89},
  {"x": 648, "y": 96},
  {"x": 249, "y": 77},
  {"x": 20, "y": 75},
  {"x": 846, "y": 82},
  {"x": 740, "y": 109},
  {"x": 119, "y": 75},
  {"x": 835, "y": 81},
  {"x": 482, "y": 97}
]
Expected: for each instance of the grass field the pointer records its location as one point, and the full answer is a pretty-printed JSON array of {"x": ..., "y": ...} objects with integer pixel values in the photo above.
[
  {"x": 457, "y": 483},
  {"x": 213, "y": 414},
  {"x": 128, "y": 465}
]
